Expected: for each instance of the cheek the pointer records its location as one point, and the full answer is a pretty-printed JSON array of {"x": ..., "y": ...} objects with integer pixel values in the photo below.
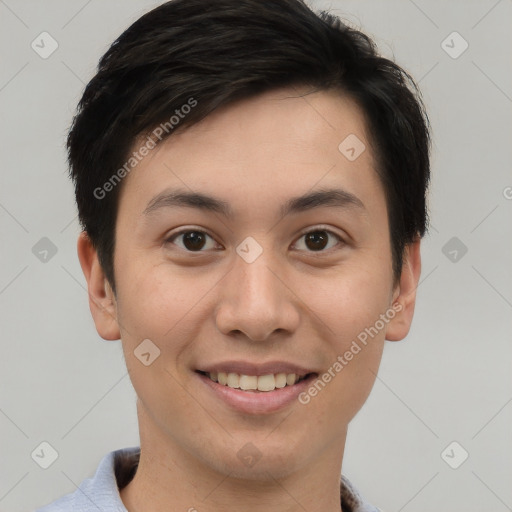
[
  {"x": 152, "y": 302},
  {"x": 149, "y": 308},
  {"x": 170, "y": 309},
  {"x": 349, "y": 308},
  {"x": 348, "y": 301}
]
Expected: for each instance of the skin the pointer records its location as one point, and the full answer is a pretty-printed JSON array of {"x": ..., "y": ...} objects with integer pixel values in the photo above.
[{"x": 292, "y": 303}]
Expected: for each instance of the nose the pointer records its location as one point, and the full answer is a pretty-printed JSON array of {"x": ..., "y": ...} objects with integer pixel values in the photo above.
[{"x": 257, "y": 300}]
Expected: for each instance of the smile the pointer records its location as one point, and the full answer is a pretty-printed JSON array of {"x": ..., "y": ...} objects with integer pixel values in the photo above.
[
  {"x": 261, "y": 394},
  {"x": 255, "y": 383}
]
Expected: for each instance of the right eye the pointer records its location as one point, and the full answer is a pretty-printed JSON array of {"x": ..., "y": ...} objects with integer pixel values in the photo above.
[{"x": 192, "y": 240}]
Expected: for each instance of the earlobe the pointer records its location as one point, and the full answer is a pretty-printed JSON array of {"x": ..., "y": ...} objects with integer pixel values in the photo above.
[
  {"x": 102, "y": 302},
  {"x": 405, "y": 293}
]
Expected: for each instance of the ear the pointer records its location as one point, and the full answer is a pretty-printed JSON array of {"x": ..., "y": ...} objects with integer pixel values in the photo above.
[
  {"x": 404, "y": 295},
  {"x": 102, "y": 301}
]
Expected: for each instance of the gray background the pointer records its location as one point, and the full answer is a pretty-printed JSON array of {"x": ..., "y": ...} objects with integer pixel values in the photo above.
[{"x": 449, "y": 381}]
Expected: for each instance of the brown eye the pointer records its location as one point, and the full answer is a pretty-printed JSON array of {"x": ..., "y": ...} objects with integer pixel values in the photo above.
[
  {"x": 318, "y": 240},
  {"x": 192, "y": 240}
]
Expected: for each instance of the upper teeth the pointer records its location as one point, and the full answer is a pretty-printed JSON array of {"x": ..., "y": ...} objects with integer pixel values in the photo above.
[{"x": 261, "y": 383}]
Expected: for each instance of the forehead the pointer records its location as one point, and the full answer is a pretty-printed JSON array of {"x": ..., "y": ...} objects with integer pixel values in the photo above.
[{"x": 263, "y": 150}]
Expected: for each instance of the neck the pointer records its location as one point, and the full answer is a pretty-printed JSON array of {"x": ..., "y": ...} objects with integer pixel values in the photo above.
[{"x": 170, "y": 478}]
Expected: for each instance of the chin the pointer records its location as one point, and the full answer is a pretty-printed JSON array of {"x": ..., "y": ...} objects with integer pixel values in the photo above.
[{"x": 256, "y": 459}]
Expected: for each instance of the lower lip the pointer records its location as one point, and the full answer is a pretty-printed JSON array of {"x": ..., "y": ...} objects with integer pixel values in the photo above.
[{"x": 254, "y": 402}]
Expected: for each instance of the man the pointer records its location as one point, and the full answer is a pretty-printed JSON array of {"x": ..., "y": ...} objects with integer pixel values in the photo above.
[{"x": 251, "y": 180}]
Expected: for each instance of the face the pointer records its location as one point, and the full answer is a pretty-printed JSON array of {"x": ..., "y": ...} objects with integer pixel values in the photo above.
[{"x": 280, "y": 268}]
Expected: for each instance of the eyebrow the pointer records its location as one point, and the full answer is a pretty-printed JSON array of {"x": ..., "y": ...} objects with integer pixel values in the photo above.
[
  {"x": 332, "y": 197},
  {"x": 173, "y": 198}
]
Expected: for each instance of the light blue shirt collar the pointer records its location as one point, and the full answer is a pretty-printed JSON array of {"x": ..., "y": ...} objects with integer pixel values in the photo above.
[{"x": 101, "y": 492}]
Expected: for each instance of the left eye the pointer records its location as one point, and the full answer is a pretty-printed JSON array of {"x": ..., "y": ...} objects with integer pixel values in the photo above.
[
  {"x": 193, "y": 240},
  {"x": 318, "y": 240}
]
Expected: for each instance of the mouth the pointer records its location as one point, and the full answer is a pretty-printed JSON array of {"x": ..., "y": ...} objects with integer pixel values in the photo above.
[
  {"x": 263, "y": 394},
  {"x": 252, "y": 388},
  {"x": 257, "y": 383}
]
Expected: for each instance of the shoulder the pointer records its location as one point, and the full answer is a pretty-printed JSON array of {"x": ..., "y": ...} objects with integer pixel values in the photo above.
[
  {"x": 351, "y": 500},
  {"x": 102, "y": 490}
]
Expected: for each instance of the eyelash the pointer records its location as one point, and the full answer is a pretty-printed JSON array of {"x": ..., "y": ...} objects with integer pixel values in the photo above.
[{"x": 314, "y": 230}]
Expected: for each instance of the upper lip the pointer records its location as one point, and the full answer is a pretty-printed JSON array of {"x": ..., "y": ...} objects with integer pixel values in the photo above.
[{"x": 249, "y": 368}]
